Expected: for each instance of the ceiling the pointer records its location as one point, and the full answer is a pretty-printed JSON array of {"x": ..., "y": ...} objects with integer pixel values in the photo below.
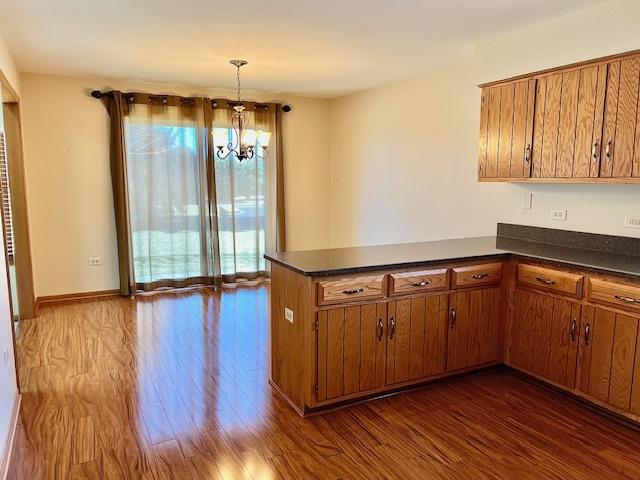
[{"x": 316, "y": 48}]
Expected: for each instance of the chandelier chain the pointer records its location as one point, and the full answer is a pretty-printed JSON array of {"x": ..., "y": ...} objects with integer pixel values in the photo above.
[{"x": 238, "y": 79}]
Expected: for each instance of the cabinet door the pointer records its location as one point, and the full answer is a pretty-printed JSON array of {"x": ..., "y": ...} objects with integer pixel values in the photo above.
[
  {"x": 607, "y": 356},
  {"x": 620, "y": 155},
  {"x": 416, "y": 338},
  {"x": 506, "y": 130},
  {"x": 555, "y": 125},
  {"x": 589, "y": 121},
  {"x": 351, "y": 350},
  {"x": 474, "y": 317},
  {"x": 544, "y": 336}
]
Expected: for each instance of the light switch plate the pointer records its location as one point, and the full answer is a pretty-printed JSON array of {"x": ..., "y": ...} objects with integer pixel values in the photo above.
[
  {"x": 288, "y": 314},
  {"x": 558, "y": 214},
  {"x": 526, "y": 201}
]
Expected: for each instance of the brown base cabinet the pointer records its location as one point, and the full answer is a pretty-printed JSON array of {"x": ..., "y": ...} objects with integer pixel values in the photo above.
[
  {"x": 351, "y": 350},
  {"x": 473, "y": 328},
  {"x": 606, "y": 361},
  {"x": 585, "y": 348},
  {"x": 347, "y": 338},
  {"x": 363, "y": 348},
  {"x": 544, "y": 336},
  {"x": 416, "y": 340}
]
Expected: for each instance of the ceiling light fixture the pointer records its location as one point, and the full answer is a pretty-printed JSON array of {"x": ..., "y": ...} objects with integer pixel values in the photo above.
[{"x": 245, "y": 138}]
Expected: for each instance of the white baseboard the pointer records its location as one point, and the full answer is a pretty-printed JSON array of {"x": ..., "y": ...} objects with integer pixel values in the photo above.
[{"x": 8, "y": 447}]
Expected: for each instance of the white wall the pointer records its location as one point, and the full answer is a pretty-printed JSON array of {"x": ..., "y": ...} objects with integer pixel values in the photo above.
[
  {"x": 69, "y": 183},
  {"x": 8, "y": 386},
  {"x": 403, "y": 157}
]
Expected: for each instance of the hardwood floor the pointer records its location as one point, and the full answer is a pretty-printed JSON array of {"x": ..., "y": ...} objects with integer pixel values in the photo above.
[{"x": 175, "y": 386}]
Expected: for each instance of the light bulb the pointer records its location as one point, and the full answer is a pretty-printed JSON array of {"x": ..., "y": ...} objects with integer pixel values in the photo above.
[
  {"x": 250, "y": 137},
  {"x": 263, "y": 138}
]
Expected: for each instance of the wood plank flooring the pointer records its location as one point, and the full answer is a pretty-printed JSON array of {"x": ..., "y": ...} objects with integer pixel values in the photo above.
[{"x": 175, "y": 386}]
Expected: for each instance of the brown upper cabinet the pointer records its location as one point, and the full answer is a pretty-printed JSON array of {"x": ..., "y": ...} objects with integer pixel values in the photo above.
[
  {"x": 506, "y": 129},
  {"x": 621, "y": 152},
  {"x": 574, "y": 124}
]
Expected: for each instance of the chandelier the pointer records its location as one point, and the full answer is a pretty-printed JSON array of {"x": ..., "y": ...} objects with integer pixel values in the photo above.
[{"x": 245, "y": 138}]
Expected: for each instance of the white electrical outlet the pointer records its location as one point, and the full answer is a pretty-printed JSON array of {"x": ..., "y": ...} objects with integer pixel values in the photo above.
[
  {"x": 5, "y": 356},
  {"x": 558, "y": 214},
  {"x": 632, "y": 222},
  {"x": 288, "y": 314},
  {"x": 526, "y": 201},
  {"x": 95, "y": 261}
]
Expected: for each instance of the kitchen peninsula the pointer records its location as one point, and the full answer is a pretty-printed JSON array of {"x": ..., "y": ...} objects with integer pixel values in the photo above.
[{"x": 563, "y": 307}]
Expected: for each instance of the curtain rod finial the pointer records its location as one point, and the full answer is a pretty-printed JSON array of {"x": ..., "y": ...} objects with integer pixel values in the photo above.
[
  {"x": 286, "y": 108},
  {"x": 96, "y": 94}
]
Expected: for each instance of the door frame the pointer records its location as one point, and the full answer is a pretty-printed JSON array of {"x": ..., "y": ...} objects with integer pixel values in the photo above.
[{"x": 15, "y": 165}]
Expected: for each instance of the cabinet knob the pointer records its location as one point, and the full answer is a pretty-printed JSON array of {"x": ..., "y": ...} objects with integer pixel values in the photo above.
[
  {"x": 574, "y": 329},
  {"x": 527, "y": 154},
  {"x": 380, "y": 330},
  {"x": 608, "y": 149},
  {"x": 392, "y": 329},
  {"x": 453, "y": 317}
]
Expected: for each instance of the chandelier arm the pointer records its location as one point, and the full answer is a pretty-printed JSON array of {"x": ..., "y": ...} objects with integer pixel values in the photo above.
[{"x": 221, "y": 156}]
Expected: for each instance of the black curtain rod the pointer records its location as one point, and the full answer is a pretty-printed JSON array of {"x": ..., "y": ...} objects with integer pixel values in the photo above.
[{"x": 99, "y": 94}]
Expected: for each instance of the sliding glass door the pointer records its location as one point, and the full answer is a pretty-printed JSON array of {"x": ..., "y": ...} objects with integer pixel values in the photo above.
[{"x": 186, "y": 213}]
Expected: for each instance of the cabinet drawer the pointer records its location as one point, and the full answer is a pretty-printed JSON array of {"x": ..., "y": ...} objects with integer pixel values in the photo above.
[
  {"x": 350, "y": 289},
  {"x": 613, "y": 293},
  {"x": 421, "y": 281},
  {"x": 549, "y": 279},
  {"x": 472, "y": 275}
]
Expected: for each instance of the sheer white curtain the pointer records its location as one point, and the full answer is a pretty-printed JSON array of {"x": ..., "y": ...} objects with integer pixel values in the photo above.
[
  {"x": 172, "y": 243},
  {"x": 183, "y": 215},
  {"x": 245, "y": 193}
]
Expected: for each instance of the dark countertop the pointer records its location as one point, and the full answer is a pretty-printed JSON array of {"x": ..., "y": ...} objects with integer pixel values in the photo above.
[{"x": 339, "y": 261}]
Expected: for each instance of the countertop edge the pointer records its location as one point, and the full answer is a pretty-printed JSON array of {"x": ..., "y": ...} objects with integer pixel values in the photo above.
[
  {"x": 505, "y": 255},
  {"x": 343, "y": 271}
]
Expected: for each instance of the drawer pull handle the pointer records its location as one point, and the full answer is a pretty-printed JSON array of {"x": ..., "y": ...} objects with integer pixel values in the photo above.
[
  {"x": 351, "y": 292},
  {"x": 587, "y": 334},
  {"x": 479, "y": 276},
  {"x": 594, "y": 150},
  {"x": 423, "y": 283},
  {"x": 380, "y": 330},
  {"x": 392, "y": 330},
  {"x": 574, "y": 328},
  {"x": 624, "y": 298},
  {"x": 453, "y": 317},
  {"x": 546, "y": 281}
]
